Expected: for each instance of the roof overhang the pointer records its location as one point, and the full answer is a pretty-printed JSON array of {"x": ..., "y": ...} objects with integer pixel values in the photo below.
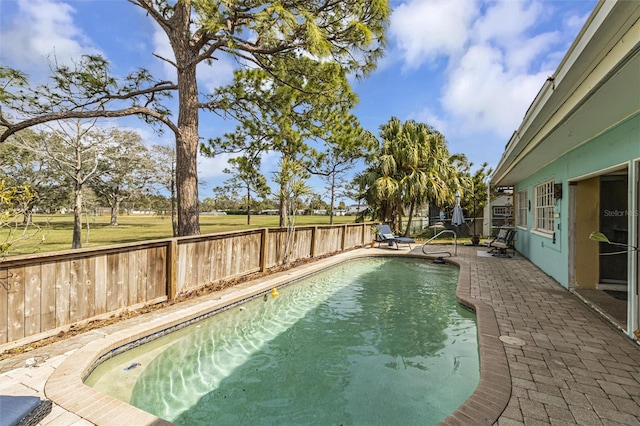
[{"x": 596, "y": 87}]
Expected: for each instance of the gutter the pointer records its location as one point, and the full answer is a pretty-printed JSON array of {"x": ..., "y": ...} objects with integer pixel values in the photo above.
[{"x": 550, "y": 100}]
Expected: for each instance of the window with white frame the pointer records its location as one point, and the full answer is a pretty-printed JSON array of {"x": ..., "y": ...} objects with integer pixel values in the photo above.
[
  {"x": 502, "y": 211},
  {"x": 522, "y": 206},
  {"x": 544, "y": 207}
]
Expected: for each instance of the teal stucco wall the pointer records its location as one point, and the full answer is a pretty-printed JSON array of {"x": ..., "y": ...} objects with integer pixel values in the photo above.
[{"x": 619, "y": 145}]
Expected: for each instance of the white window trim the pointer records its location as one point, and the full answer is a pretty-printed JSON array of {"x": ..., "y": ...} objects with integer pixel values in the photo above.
[
  {"x": 534, "y": 225},
  {"x": 519, "y": 209},
  {"x": 543, "y": 233}
]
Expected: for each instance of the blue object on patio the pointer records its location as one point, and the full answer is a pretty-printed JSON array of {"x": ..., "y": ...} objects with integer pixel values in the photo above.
[
  {"x": 22, "y": 410},
  {"x": 385, "y": 235}
]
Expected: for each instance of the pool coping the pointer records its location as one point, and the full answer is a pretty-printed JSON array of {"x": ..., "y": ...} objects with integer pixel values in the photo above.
[
  {"x": 65, "y": 386},
  {"x": 492, "y": 395}
]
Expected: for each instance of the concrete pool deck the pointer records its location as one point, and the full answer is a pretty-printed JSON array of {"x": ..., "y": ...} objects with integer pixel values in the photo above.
[{"x": 546, "y": 357}]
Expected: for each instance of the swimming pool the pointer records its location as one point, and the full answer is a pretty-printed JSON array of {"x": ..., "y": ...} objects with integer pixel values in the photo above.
[{"x": 389, "y": 342}]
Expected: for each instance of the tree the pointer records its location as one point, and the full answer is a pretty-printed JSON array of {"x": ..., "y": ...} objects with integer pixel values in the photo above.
[
  {"x": 291, "y": 179},
  {"x": 208, "y": 205},
  {"x": 247, "y": 178},
  {"x": 346, "y": 143},
  {"x": 270, "y": 36},
  {"x": 23, "y": 167},
  {"x": 226, "y": 197},
  {"x": 315, "y": 202},
  {"x": 354, "y": 191},
  {"x": 412, "y": 166},
  {"x": 73, "y": 152},
  {"x": 276, "y": 117},
  {"x": 11, "y": 79},
  {"x": 155, "y": 202},
  {"x": 14, "y": 200},
  {"x": 124, "y": 170},
  {"x": 164, "y": 159},
  {"x": 474, "y": 193}
]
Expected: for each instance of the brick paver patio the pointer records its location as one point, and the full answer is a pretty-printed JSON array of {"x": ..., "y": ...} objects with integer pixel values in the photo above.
[
  {"x": 567, "y": 365},
  {"x": 575, "y": 367}
]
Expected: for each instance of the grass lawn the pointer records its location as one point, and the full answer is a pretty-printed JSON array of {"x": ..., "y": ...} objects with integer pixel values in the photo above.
[{"x": 56, "y": 230}]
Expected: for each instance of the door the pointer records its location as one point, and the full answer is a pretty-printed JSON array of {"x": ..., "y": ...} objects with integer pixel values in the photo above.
[{"x": 614, "y": 223}]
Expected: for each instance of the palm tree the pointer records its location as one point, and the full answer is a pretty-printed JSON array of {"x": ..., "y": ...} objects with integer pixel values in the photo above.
[
  {"x": 428, "y": 168},
  {"x": 413, "y": 167}
]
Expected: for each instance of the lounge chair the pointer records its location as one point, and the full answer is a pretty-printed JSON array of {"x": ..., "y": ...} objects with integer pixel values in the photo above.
[
  {"x": 385, "y": 235},
  {"x": 23, "y": 410},
  {"x": 500, "y": 246}
]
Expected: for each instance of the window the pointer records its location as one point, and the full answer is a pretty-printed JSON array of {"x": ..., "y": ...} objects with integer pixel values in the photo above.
[
  {"x": 522, "y": 207},
  {"x": 502, "y": 216},
  {"x": 544, "y": 207},
  {"x": 502, "y": 211}
]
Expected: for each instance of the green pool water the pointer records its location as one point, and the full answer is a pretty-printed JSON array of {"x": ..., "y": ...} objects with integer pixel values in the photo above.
[{"x": 369, "y": 342}]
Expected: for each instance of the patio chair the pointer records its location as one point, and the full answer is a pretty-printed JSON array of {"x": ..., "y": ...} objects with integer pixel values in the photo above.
[
  {"x": 385, "y": 235},
  {"x": 500, "y": 238},
  {"x": 23, "y": 410},
  {"x": 506, "y": 244}
]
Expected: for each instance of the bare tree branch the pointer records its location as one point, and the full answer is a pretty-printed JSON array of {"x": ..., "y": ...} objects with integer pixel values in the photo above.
[{"x": 135, "y": 110}]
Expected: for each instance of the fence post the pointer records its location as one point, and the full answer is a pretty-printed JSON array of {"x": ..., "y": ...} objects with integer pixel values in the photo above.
[
  {"x": 263, "y": 249},
  {"x": 172, "y": 268},
  {"x": 344, "y": 237},
  {"x": 314, "y": 231}
]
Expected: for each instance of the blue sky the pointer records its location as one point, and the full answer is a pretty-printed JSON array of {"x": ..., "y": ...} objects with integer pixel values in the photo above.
[{"x": 469, "y": 68}]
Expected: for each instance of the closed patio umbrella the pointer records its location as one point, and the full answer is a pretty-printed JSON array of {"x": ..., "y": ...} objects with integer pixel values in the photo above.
[{"x": 458, "y": 217}]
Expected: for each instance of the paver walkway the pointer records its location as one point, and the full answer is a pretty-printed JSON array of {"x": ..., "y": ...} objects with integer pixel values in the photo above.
[{"x": 574, "y": 367}]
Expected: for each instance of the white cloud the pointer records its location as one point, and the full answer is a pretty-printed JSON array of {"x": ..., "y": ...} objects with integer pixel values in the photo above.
[
  {"x": 429, "y": 116},
  {"x": 162, "y": 48},
  {"x": 506, "y": 20},
  {"x": 497, "y": 54},
  {"x": 212, "y": 167},
  {"x": 270, "y": 163},
  {"x": 219, "y": 73},
  {"x": 522, "y": 56},
  {"x": 39, "y": 29},
  {"x": 484, "y": 95},
  {"x": 148, "y": 135},
  {"x": 426, "y": 29},
  {"x": 573, "y": 23},
  {"x": 506, "y": 24}
]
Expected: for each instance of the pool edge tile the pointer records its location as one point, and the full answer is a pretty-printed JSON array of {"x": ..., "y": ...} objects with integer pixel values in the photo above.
[{"x": 495, "y": 377}]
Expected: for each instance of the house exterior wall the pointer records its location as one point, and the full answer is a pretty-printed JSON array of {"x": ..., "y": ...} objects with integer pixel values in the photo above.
[{"x": 619, "y": 146}]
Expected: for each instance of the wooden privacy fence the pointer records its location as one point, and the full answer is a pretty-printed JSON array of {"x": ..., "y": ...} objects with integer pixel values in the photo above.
[{"x": 41, "y": 295}]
